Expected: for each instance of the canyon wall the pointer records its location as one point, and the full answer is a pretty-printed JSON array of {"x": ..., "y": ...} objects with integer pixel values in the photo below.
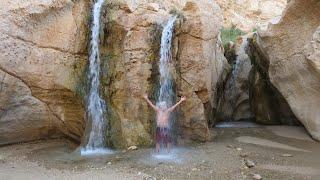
[
  {"x": 130, "y": 48},
  {"x": 44, "y": 59},
  {"x": 43, "y": 43},
  {"x": 247, "y": 15},
  {"x": 289, "y": 52}
]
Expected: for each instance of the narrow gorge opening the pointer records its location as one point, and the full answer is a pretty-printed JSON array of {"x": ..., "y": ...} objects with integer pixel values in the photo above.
[{"x": 247, "y": 96}]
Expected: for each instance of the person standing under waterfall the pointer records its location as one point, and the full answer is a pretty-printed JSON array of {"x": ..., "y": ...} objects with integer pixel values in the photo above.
[{"x": 163, "y": 135}]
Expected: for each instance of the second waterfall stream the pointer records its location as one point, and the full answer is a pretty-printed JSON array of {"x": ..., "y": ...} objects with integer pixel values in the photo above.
[{"x": 95, "y": 105}]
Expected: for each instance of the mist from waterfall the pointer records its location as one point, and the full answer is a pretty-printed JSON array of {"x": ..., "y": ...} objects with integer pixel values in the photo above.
[
  {"x": 95, "y": 105},
  {"x": 166, "y": 93}
]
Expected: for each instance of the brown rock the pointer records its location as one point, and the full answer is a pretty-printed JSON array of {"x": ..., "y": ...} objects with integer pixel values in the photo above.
[
  {"x": 41, "y": 44},
  {"x": 248, "y": 14},
  {"x": 291, "y": 47},
  {"x": 131, "y": 50},
  {"x": 234, "y": 103}
]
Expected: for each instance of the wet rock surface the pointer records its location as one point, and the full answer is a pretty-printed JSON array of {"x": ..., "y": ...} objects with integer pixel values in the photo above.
[{"x": 130, "y": 51}]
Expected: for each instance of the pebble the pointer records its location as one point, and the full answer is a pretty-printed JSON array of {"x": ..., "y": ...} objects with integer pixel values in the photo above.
[
  {"x": 249, "y": 163},
  {"x": 109, "y": 163},
  {"x": 229, "y": 146},
  {"x": 149, "y": 178},
  {"x": 194, "y": 169},
  {"x": 132, "y": 148},
  {"x": 243, "y": 155},
  {"x": 239, "y": 149},
  {"x": 287, "y": 155},
  {"x": 2, "y": 160},
  {"x": 256, "y": 176}
]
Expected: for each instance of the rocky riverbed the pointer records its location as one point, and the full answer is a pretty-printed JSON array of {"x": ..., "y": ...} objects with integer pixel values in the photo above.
[{"x": 235, "y": 153}]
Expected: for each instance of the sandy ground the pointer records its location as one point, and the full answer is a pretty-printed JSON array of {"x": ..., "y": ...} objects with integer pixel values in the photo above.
[{"x": 224, "y": 158}]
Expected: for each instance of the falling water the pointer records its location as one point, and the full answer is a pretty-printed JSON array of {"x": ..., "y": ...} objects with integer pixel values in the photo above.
[
  {"x": 166, "y": 93},
  {"x": 241, "y": 58},
  {"x": 95, "y": 105}
]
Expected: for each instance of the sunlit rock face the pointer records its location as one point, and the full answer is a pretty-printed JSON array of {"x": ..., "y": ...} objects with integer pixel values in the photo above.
[
  {"x": 249, "y": 14},
  {"x": 43, "y": 44},
  {"x": 291, "y": 50},
  {"x": 130, "y": 47}
]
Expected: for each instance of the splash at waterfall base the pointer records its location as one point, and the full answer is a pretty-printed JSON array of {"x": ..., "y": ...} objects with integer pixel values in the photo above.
[{"x": 55, "y": 159}]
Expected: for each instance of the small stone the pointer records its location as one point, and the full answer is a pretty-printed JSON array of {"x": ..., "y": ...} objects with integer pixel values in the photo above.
[
  {"x": 239, "y": 149},
  {"x": 287, "y": 155},
  {"x": 249, "y": 163},
  {"x": 109, "y": 163},
  {"x": 194, "y": 169},
  {"x": 132, "y": 148},
  {"x": 256, "y": 176},
  {"x": 244, "y": 155},
  {"x": 2, "y": 160},
  {"x": 123, "y": 151},
  {"x": 229, "y": 146}
]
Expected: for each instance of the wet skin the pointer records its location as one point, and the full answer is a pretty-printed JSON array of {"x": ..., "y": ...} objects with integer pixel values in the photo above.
[{"x": 163, "y": 115}]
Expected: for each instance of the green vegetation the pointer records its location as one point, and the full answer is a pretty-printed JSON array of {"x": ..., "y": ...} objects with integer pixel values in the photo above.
[
  {"x": 176, "y": 12},
  {"x": 230, "y": 34},
  {"x": 254, "y": 30}
]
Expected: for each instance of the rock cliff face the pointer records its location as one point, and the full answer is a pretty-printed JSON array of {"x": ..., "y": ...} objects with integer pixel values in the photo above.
[
  {"x": 42, "y": 43},
  {"x": 234, "y": 101},
  {"x": 291, "y": 49},
  {"x": 44, "y": 57},
  {"x": 131, "y": 50},
  {"x": 248, "y": 14}
]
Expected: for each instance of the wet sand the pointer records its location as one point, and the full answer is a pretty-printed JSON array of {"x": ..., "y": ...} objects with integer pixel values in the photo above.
[{"x": 224, "y": 158}]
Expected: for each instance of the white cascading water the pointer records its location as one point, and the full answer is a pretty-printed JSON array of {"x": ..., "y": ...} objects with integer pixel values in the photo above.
[
  {"x": 95, "y": 104},
  {"x": 166, "y": 93}
]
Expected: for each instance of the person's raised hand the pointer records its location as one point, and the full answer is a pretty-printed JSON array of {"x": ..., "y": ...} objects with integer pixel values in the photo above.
[
  {"x": 145, "y": 96},
  {"x": 183, "y": 98}
]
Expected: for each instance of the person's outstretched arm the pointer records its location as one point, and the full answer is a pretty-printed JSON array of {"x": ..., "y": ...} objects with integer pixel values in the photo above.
[
  {"x": 176, "y": 105},
  {"x": 149, "y": 102}
]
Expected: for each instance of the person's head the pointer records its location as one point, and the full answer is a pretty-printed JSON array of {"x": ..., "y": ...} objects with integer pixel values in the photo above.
[{"x": 162, "y": 105}]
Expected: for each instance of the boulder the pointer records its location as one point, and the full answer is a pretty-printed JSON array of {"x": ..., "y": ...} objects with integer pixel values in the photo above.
[
  {"x": 290, "y": 50},
  {"x": 43, "y": 47}
]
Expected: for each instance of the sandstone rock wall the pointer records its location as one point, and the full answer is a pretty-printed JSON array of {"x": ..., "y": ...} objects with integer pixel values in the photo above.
[
  {"x": 43, "y": 44},
  {"x": 291, "y": 47},
  {"x": 249, "y": 14},
  {"x": 234, "y": 103},
  {"x": 131, "y": 50}
]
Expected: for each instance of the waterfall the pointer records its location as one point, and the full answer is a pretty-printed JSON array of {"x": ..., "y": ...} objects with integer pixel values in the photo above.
[
  {"x": 95, "y": 105},
  {"x": 166, "y": 93}
]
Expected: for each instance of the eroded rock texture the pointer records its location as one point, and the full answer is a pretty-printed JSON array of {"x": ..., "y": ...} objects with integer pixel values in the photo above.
[
  {"x": 248, "y": 14},
  {"x": 131, "y": 57},
  {"x": 234, "y": 101},
  {"x": 291, "y": 48},
  {"x": 42, "y": 44}
]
